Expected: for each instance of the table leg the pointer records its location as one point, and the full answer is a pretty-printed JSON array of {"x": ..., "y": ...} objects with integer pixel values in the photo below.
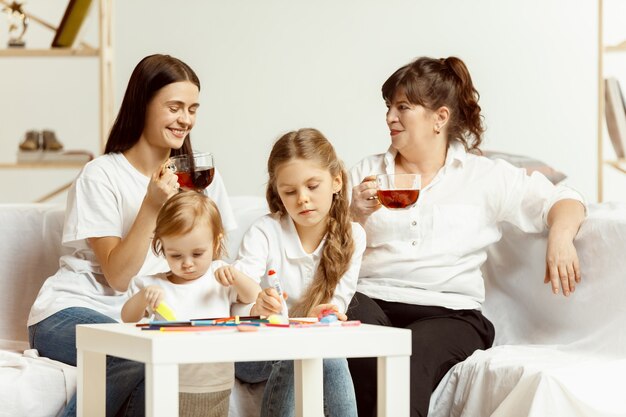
[
  {"x": 161, "y": 390},
  {"x": 91, "y": 384},
  {"x": 309, "y": 387},
  {"x": 393, "y": 386}
]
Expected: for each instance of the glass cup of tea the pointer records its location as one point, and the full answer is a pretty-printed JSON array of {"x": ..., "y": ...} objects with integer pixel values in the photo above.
[
  {"x": 398, "y": 191},
  {"x": 196, "y": 177}
]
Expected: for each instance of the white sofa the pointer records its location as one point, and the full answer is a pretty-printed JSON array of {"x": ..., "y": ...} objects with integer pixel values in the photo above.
[{"x": 553, "y": 356}]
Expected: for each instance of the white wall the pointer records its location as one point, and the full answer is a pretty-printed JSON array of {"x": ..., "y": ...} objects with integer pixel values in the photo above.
[{"x": 271, "y": 66}]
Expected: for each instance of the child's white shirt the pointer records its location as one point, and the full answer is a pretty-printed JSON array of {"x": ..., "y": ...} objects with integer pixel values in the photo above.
[
  {"x": 200, "y": 298},
  {"x": 272, "y": 242}
]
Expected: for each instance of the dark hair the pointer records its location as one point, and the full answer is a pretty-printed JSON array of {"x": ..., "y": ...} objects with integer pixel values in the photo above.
[
  {"x": 311, "y": 145},
  {"x": 433, "y": 83},
  {"x": 150, "y": 75}
]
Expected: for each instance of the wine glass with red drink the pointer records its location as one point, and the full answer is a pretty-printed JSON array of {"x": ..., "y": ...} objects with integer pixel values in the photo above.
[
  {"x": 196, "y": 172},
  {"x": 398, "y": 191}
]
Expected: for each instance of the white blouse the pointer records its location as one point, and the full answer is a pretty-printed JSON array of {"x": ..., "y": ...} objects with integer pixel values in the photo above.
[
  {"x": 431, "y": 254},
  {"x": 272, "y": 242}
]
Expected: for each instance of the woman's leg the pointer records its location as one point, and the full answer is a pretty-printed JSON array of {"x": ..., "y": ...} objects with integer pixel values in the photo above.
[
  {"x": 363, "y": 370},
  {"x": 438, "y": 344},
  {"x": 55, "y": 338}
]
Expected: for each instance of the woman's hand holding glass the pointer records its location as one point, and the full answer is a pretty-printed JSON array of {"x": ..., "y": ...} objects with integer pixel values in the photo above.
[
  {"x": 364, "y": 199},
  {"x": 163, "y": 184}
]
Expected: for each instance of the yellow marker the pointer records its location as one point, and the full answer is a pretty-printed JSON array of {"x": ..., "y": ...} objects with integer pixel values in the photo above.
[
  {"x": 237, "y": 320},
  {"x": 165, "y": 311}
]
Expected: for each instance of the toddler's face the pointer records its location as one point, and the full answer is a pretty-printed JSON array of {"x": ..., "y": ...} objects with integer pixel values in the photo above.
[{"x": 190, "y": 255}]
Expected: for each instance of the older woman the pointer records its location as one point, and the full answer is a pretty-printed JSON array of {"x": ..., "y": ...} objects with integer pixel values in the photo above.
[{"x": 421, "y": 268}]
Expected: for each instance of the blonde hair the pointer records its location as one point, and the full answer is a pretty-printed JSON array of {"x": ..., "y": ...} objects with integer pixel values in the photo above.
[
  {"x": 184, "y": 211},
  {"x": 311, "y": 145}
]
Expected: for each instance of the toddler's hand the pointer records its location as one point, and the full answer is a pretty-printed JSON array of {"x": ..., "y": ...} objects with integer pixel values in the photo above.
[
  {"x": 153, "y": 295},
  {"x": 267, "y": 303},
  {"x": 225, "y": 275}
]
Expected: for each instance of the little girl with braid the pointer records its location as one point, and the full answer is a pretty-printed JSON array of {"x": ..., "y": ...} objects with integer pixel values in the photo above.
[{"x": 309, "y": 240}]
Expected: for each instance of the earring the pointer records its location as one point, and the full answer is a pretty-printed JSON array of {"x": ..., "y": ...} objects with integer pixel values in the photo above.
[{"x": 437, "y": 129}]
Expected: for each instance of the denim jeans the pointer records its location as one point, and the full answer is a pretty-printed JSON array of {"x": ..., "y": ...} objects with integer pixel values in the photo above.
[
  {"x": 55, "y": 338},
  {"x": 278, "y": 397}
]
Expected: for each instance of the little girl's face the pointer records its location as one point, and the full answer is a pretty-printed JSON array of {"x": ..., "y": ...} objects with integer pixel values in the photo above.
[
  {"x": 306, "y": 190},
  {"x": 189, "y": 255}
]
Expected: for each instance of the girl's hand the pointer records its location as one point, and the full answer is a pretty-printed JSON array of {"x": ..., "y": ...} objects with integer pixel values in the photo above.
[
  {"x": 153, "y": 295},
  {"x": 225, "y": 275},
  {"x": 267, "y": 303},
  {"x": 364, "y": 199},
  {"x": 562, "y": 267},
  {"x": 317, "y": 310},
  {"x": 163, "y": 184}
]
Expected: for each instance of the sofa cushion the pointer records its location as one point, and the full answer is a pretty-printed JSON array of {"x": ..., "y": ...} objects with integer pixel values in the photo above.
[{"x": 30, "y": 248}]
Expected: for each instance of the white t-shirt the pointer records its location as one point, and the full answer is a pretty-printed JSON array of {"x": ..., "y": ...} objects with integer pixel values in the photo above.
[
  {"x": 272, "y": 242},
  {"x": 200, "y": 298},
  {"x": 104, "y": 201},
  {"x": 431, "y": 254}
]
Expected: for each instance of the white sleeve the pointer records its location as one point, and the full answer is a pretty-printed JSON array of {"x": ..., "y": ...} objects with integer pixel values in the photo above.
[
  {"x": 347, "y": 284},
  {"x": 528, "y": 198},
  {"x": 253, "y": 253},
  {"x": 92, "y": 211},
  {"x": 217, "y": 192}
]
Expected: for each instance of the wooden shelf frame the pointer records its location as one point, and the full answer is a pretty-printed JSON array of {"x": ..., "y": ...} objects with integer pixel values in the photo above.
[{"x": 106, "y": 76}]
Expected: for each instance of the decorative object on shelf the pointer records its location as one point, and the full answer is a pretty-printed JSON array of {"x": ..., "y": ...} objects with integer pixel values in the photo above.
[
  {"x": 50, "y": 142},
  {"x": 17, "y": 19},
  {"x": 45, "y": 140},
  {"x": 31, "y": 142},
  {"x": 70, "y": 25},
  {"x": 615, "y": 112},
  {"x": 45, "y": 148}
]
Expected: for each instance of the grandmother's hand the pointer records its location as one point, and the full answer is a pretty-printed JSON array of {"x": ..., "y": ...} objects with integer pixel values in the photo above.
[
  {"x": 562, "y": 267},
  {"x": 364, "y": 199}
]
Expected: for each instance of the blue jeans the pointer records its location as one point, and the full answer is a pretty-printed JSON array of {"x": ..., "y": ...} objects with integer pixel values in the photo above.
[
  {"x": 55, "y": 338},
  {"x": 278, "y": 397}
]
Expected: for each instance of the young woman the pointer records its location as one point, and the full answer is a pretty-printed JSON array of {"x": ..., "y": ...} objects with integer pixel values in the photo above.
[
  {"x": 309, "y": 240},
  {"x": 190, "y": 235},
  {"x": 421, "y": 268},
  {"x": 111, "y": 212}
]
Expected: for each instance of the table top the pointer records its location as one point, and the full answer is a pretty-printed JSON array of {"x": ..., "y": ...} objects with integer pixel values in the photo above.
[{"x": 230, "y": 345}]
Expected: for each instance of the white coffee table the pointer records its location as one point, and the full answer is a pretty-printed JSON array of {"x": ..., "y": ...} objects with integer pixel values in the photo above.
[{"x": 162, "y": 352}]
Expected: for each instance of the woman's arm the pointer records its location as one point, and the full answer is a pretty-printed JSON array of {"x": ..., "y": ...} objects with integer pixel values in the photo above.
[
  {"x": 562, "y": 267},
  {"x": 122, "y": 258}
]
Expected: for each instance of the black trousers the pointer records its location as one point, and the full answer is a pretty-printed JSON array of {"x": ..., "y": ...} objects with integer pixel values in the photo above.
[{"x": 441, "y": 337}]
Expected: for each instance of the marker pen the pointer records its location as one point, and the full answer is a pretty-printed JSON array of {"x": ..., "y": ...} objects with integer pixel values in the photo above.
[{"x": 275, "y": 283}]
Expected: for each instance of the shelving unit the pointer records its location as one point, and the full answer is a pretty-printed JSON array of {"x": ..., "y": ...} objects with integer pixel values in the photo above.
[
  {"x": 618, "y": 164},
  {"x": 104, "y": 53}
]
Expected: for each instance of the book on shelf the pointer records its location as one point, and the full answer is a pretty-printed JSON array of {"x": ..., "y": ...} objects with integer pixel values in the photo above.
[
  {"x": 615, "y": 112},
  {"x": 69, "y": 28},
  {"x": 54, "y": 157}
]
